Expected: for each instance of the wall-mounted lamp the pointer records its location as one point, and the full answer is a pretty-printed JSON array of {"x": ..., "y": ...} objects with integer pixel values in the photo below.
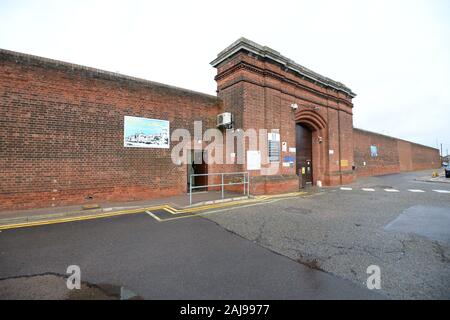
[{"x": 320, "y": 139}]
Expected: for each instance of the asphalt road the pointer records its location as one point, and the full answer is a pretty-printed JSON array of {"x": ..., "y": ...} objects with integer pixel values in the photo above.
[
  {"x": 404, "y": 230},
  {"x": 271, "y": 251},
  {"x": 186, "y": 259}
]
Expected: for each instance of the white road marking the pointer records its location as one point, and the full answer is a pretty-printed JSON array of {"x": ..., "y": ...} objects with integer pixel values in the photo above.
[
  {"x": 391, "y": 190},
  {"x": 153, "y": 216},
  {"x": 442, "y": 191},
  {"x": 416, "y": 191},
  {"x": 368, "y": 189},
  {"x": 238, "y": 207},
  {"x": 201, "y": 214},
  {"x": 346, "y": 189}
]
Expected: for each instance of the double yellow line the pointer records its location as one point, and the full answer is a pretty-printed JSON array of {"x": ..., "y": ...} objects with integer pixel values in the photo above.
[
  {"x": 72, "y": 219},
  {"x": 166, "y": 207}
]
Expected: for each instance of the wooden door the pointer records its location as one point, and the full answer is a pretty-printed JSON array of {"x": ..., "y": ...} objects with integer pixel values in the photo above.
[{"x": 304, "y": 155}]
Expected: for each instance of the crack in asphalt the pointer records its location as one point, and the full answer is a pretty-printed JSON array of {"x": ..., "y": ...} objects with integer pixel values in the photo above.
[
  {"x": 440, "y": 251},
  {"x": 334, "y": 246}
]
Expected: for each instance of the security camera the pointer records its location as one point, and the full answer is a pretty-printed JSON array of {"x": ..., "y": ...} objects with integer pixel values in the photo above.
[{"x": 294, "y": 106}]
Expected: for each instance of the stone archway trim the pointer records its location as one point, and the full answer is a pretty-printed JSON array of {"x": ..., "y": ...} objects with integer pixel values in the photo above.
[{"x": 311, "y": 118}]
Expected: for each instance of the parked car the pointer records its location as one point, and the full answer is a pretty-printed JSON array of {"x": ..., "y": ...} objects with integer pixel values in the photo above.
[{"x": 447, "y": 171}]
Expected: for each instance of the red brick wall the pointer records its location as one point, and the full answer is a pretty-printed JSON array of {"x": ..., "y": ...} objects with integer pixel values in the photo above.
[
  {"x": 405, "y": 155},
  {"x": 61, "y": 134},
  {"x": 394, "y": 155},
  {"x": 424, "y": 158}
]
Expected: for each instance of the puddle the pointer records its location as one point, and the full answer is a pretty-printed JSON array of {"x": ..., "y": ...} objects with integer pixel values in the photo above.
[
  {"x": 427, "y": 221},
  {"x": 381, "y": 187},
  {"x": 297, "y": 210}
]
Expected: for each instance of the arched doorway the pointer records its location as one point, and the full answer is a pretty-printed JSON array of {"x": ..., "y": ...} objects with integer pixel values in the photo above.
[
  {"x": 304, "y": 155},
  {"x": 311, "y": 144}
]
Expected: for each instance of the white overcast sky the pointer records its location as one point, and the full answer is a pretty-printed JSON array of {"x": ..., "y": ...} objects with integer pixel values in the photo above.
[{"x": 395, "y": 54}]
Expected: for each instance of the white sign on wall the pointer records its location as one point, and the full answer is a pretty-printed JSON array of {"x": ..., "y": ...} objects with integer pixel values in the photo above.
[
  {"x": 146, "y": 133},
  {"x": 274, "y": 147},
  {"x": 253, "y": 160}
]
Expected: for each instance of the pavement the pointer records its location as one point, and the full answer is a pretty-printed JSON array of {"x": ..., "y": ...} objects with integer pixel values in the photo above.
[
  {"x": 395, "y": 222},
  {"x": 105, "y": 209},
  {"x": 439, "y": 179}
]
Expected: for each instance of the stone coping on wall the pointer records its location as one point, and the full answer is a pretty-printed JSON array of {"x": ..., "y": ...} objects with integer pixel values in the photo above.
[{"x": 29, "y": 59}]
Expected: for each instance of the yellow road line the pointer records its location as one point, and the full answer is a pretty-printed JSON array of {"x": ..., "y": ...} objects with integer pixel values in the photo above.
[
  {"x": 213, "y": 206},
  {"x": 164, "y": 207},
  {"x": 228, "y": 204},
  {"x": 211, "y": 212},
  {"x": 73, "y": 219}
]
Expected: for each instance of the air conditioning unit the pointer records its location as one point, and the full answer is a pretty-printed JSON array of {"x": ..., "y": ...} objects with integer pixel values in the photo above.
[{"x": 225, "y": 120}]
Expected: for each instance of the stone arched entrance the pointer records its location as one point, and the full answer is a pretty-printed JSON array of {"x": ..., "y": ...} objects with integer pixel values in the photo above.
[{"x": 311, "y": 138}]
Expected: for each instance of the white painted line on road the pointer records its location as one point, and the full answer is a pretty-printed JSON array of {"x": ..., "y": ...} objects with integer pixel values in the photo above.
[
  {"x": 416, "y": 191},
  {"x": 153, "y": 216},
  {"x": 239, "y": 207},
  {"x": 442, "y": 191},
  {"x": 346, "y": 189},
  {"x": 368, "y": 189},
  {"x": 391, "y": 190}
]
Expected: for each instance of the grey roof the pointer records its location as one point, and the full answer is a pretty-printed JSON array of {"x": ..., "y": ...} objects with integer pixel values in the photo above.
[{"x": 268, "y": 53}]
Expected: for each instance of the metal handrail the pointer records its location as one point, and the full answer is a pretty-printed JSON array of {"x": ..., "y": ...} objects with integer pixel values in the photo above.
[{"x": 246, "y": 182}]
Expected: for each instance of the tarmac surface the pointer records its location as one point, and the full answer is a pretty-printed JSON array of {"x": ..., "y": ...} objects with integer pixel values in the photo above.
[
  {"x": 395, "y": 222},
  {"x": 318, "y": 246},
  {"x": 184, "y": 259}
]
